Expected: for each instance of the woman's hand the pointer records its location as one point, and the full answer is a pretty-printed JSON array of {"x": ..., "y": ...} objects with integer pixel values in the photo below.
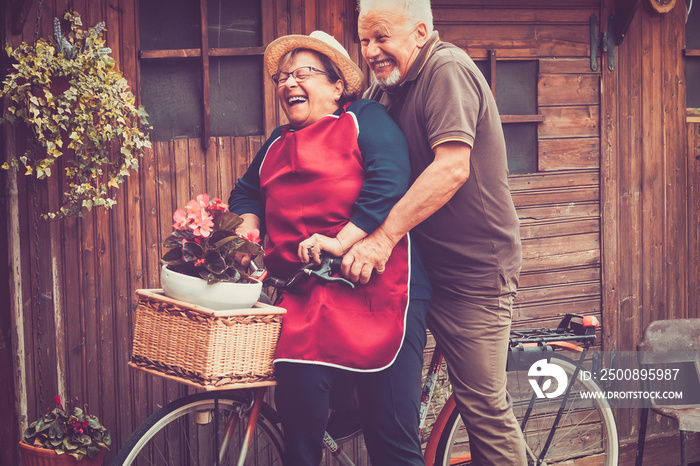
[
  {"x": 250, "y": 229},
  {"x": 312, "y": 247}
]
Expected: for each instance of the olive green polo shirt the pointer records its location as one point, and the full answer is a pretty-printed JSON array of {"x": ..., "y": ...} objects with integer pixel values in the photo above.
[{"x": 474, "y": 238}]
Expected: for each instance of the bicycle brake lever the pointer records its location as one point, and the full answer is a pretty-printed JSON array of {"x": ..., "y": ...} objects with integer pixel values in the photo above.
[{"x": 324, "y": 273}]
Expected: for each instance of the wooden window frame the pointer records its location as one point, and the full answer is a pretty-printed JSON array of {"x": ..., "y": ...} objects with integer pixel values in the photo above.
[
  {"x": 205, "y": 53},
  {"x": 505, "y": 119}
]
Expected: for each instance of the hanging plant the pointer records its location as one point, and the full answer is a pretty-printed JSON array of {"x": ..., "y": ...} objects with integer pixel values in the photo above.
[{"x": 77, "y": 105}]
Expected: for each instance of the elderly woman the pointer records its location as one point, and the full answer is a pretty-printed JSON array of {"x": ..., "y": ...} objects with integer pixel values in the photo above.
[{"x": 323, "y": 182}]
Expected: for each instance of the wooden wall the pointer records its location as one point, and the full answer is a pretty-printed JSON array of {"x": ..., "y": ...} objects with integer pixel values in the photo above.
[
  {"x": 647, "y": 177},
  {"x": 604, "y": 221}
]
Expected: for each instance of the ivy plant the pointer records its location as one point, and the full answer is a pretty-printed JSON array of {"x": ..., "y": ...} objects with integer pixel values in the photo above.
[{"x": 78, "y": 106}]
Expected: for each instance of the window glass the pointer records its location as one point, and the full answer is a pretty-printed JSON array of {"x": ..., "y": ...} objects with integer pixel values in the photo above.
[
  {"x": 240, "y": 102},
  {"x": 521, "y": 147},
  {"x": 234, "y": 24},
  {"x": 166, "y": 25},
  {"x": 516, "y": 87},
  {"x": 171, "y": 91},
  {"x": 172, "y": 88},
  {"x": 516, "y": 94}
]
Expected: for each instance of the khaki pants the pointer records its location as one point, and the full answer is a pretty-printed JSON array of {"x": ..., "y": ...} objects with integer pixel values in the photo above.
[{"x": 472, "y": 327}]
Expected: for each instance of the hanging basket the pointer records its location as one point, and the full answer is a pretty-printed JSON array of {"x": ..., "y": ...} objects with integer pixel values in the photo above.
[{"x": 33, "y": 456}]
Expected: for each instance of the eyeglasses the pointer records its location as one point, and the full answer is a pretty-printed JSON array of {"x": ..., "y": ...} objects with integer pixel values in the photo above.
[{"x": 300, "y": 75}]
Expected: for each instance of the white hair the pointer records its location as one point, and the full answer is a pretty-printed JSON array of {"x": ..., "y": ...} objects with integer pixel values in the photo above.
[{"x": 418, "y": 11}]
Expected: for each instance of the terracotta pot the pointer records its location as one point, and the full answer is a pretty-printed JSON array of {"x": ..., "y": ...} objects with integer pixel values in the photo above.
[
  {"x": 33, "y": 456},
  {"x": 218, "y": 296}
]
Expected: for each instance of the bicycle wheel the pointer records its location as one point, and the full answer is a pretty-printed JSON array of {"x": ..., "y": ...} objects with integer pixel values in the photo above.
[
  {"x": 587, "y": 428},
  {"x": 183, "y": 433}
]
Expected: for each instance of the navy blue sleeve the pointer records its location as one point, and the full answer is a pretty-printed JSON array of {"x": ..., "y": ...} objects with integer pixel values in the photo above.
[
  {"x": 387, "y": 167},
  {"x": 246, "y": 197}
]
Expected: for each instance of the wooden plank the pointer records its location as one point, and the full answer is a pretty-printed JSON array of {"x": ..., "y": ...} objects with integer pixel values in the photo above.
[
  {"x": 212, "y": 171},
  {"x": 553, "y": 180},
  {"x": 512, "y": 43},
  {"x": 560, "y": 252},
  {"x": 226, "y": 166},
  {"x": 269, "y": 88},
  {"x": 558, "y": 277},
  {"x": 569, "y": 122},
  {"x": 568, "y": 154},
  {"x": 556, "y": 196},
  {"x": 559, "y": 211},
  {"x": 567, "y": 89},
  {"x": 206, "y": 105},
  {"x": 196, "y": 168},
  {"x": 693, "y": 136},
  {"x": 559, "y": 291},
  {"x": 197, "y": 53},
  {"x": 627, "y": 309},
  {"x": 566, "y": 66},
  {"x": 521, "y": 118},
  {"x": 530, "y": 229},
  {"x": 676, "y": 182},
  {"x": 521, "y": 15},
  {"x": 181, "y": 170},
  {"x": 544, "y": 313}
]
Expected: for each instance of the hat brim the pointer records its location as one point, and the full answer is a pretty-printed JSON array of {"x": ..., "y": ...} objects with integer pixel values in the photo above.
[{"x": 278, "y": 48}]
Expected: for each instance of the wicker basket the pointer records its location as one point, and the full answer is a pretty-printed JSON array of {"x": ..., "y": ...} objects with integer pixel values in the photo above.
[{"x": 205, "y": 348}]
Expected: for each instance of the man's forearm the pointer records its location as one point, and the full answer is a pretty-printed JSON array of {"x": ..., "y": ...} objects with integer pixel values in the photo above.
[{"x": 431, "y": 190}]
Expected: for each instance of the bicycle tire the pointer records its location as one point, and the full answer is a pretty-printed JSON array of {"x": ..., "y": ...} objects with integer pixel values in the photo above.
[
  {"x": 590, "y": 419},
  {"x": 181, "y": 433}
]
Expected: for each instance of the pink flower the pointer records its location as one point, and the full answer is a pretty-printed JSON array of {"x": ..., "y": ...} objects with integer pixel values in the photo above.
[
  {"x": 181, "y": 220},
  {"x": 201, "y": 223},
  {"x": 57, "y": 399},
  {"x": 253, "y": 235},
  {"x": 218, "y": 205}
]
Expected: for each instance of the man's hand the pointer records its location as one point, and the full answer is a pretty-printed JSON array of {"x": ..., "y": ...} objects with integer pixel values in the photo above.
[{"x": 366, "y": 255}]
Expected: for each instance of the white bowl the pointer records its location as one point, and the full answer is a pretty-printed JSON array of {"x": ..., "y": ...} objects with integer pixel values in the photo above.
[{"x": 218, "y": 296}]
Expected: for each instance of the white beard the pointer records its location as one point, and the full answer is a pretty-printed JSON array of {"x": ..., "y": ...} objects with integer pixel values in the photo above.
[{"x": 390, "y": 81}]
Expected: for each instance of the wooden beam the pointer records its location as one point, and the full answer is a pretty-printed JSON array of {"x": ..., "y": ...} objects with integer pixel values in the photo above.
[
  {"x": 624, "y": 12},
  {"x": 206, "y": 110},
  {"x": 196, "y": 53},
  {"x": 522, "y": 118}
]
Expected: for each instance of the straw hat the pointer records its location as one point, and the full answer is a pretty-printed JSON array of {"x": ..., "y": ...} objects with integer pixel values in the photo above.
[{"x": 320, "y": 42}]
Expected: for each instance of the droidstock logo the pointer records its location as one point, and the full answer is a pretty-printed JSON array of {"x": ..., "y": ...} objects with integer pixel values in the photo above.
[{"x": 546, "y": 372}]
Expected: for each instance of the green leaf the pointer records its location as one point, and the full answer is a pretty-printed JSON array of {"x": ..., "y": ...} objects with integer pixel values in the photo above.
[
  {"x": 172, "y": 241},
  {"x": 214, "y": 262},
  {"x": 227, "y": 221},
  {"x": 191, "y": 251},
  {"x": 69, "y": 445},
  {"x": 56, "y": 429}
]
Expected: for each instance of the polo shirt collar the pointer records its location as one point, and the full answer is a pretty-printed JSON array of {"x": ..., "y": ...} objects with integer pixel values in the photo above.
[{"x": 422, "y": 58}]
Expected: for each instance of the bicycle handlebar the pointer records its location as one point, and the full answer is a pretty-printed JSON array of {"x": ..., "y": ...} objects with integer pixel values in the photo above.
[{"x": 323, "y": 271}]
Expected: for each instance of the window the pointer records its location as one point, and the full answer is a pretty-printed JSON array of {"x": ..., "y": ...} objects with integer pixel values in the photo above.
[
  {"x": 198, "y": 82},
  {"x": 515, "y": 88}
]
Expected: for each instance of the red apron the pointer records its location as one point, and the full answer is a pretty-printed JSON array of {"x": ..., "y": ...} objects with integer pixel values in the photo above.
[{"x": 310, "y": 180}]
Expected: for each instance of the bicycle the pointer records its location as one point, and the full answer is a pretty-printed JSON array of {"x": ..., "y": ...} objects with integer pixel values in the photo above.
[{"x": 237, "y": 427}]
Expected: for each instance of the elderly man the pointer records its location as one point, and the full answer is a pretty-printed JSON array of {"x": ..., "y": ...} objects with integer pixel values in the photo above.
[{"x": 459, "y": 208}]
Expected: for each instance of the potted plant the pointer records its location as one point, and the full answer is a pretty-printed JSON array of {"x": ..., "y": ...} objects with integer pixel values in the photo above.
[
  {"x": 200, "y": 266},
  {"x": 65, "y": 436},
  {"x": 77, "y": 106}
]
